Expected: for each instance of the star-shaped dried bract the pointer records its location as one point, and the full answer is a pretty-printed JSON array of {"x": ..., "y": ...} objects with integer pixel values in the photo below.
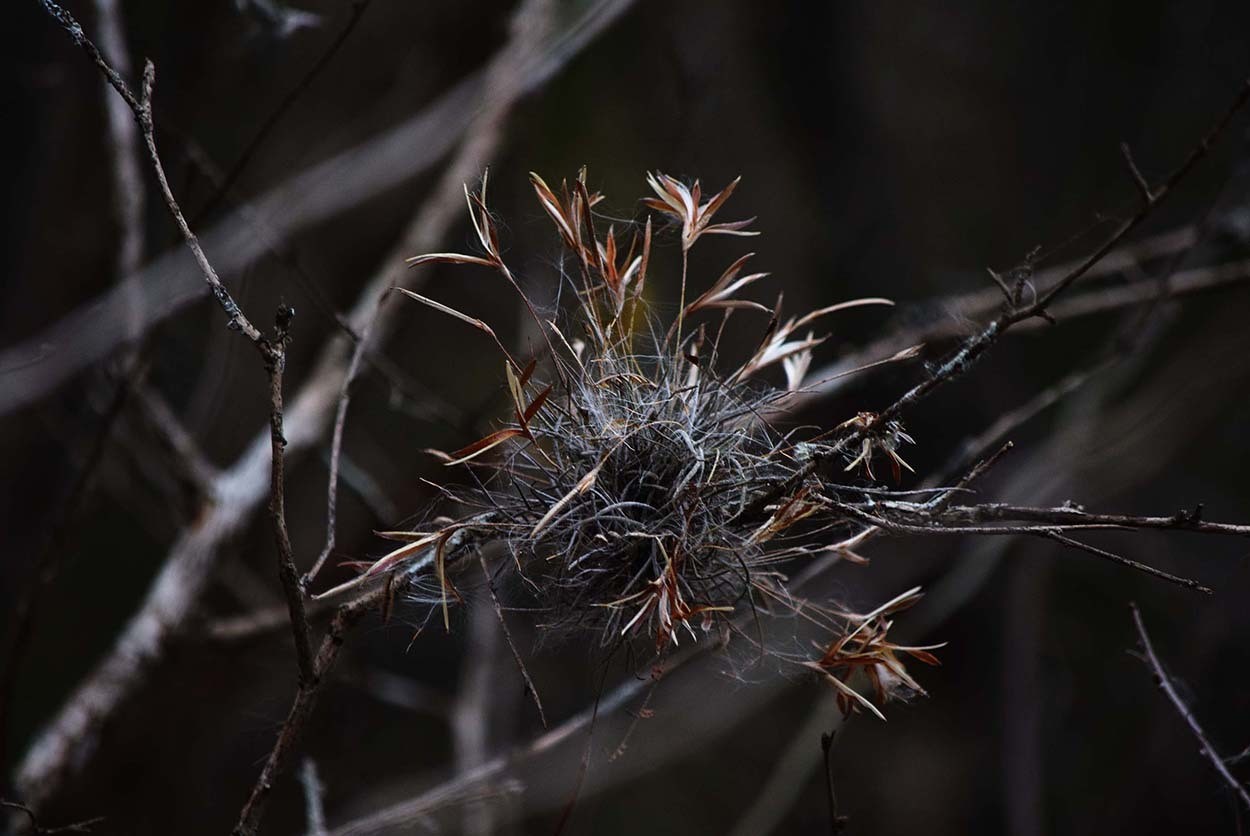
[
  {"x": 678, "y": 201},
  {"x": 864, "y": 649}
]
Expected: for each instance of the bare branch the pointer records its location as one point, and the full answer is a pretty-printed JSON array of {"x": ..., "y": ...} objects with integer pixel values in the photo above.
[
  {"x": 837, "y": 822},
  {"x": 974, "y": 346},
  {"x": 1071, "y": 517},
  {"x": 980, "y": 304},
  {"x": 275, "y": 365},
  {"x": 336, "y": 449},
  {"x": 242, "y": 487},
  {"x": 141, "y": 107},
  {"x": 272, "y": 352},
  {"x": 935, "y": 526},
  {"x": 1165, "y": 684},
  {"x": 1157, "y": 196},
  {"x": 347, "y": 616}
]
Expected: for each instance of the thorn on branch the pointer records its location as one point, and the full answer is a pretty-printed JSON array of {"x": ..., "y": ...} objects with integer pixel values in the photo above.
[
  {"x": 1233, "y": 760},
  {"x": 282, "y": 322},
  {"x": 1189, "y": 518},
  {"x": 1143, "y": 186},
  {"x": 1002, "y": 285}
]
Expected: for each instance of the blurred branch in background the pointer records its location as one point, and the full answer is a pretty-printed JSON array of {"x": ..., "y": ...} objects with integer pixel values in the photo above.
[
  {"x": 313, "y": 798},
  {"x": 122, "y": 141},
  {"x": 325, "y": 190},
  {"x": 478, "y": 694},
  {"x": 520, "y": 66},
  {"x": 272, "y": 351},
  {"x": 1153, "y": 391}
]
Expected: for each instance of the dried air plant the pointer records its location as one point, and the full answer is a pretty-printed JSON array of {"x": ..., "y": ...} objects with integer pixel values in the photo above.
[
  {"x": 640, "y": 490},
  {"x": 626, "y": 488}
]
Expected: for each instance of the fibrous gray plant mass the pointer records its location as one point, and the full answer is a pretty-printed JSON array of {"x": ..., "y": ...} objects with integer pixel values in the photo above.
[{"x": 639, "y": 489}]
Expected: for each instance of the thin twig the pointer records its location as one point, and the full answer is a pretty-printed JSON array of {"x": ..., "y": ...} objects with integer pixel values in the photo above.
[
  {"x": 976, "y": 345},
  {"x": 36, "y": 829},
  {"x": 1052, "y": 532},
  {"x": 1074, "y": 517},
  {"x": 336, "y": 448},
  {"x": 275, "y": 366},
  {"x": 1165, "y": 684},
  {"x": 232, "y": 176},
  {"x": 1189, "y": 583},
  {"x": 273, "y": 353},
  {"x": 516, "y": 654},
  {"x": 141, "y": 107},
  {"x": 284, "y": 749},
  {"x": 834, "y": 377},
  {"x": 1157, "y": 195},
  {"x": 1143, "y": 185}
]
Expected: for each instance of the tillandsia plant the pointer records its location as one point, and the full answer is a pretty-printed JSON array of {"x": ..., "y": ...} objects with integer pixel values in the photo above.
[{"x": 641, "y": 490}]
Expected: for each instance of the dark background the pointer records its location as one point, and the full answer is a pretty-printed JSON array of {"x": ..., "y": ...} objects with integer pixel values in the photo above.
[{"x": 888, "y": 149}]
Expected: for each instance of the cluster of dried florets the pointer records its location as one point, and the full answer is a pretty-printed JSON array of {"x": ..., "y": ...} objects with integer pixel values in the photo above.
[{"x": 637, "y": 490}]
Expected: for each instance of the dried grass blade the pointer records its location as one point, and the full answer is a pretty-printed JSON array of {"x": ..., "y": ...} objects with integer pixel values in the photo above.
[
  {"x": 439, "y": 306},
  {"x": 448, "y": 258},
  {"x": 841, "y": 306},
  {"x": 479, "y": 447},
  {"x": 584, "y": 484}
]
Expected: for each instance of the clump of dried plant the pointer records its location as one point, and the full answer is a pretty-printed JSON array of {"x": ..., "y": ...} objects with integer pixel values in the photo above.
[{"x": 640, "y": 489}]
